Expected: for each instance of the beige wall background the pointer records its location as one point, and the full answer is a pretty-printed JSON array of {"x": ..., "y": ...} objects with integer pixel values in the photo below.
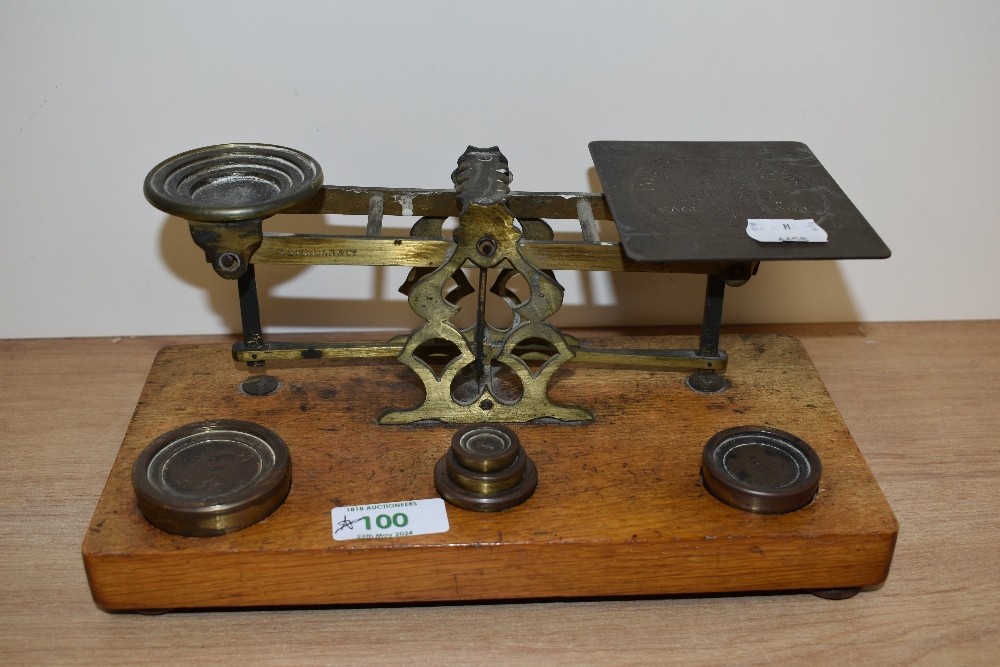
[{"x": 899, "y": 100}]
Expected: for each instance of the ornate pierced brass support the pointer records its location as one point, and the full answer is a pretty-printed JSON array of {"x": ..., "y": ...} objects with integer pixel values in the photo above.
[{"x": 486, "y": 379}]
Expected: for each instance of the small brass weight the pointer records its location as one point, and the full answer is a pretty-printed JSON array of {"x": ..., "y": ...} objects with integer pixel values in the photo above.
[{"x": 486, "y": 469}]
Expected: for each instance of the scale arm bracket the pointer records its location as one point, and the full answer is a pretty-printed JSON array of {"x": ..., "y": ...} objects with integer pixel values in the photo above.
[
  {"x": 290, "y": 351},
  {"x": 424, "y": 252},
  {"x": 349, "y": 200},
  {"x": 675, "y": 359}
]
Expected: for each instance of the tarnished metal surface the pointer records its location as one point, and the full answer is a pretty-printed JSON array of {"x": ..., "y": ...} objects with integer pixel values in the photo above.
[
  {"x": 260, "y": 385},
  {"x": 672, "y": 359},
  {"x": 347, "y": 200},
  {"x": 761, "y": 469},
  {"x": 212, "y": 477},
  {"x": 675, "y": 359},
  {"x": 706, "y": 382},
  {"x": 232, "y": 182},
  {"x": 689, "y": 201},
  {"x": 485, "y": 470},
  {"x": 485, "y": 447},
  {"x": 228, "y": 247},
  {"x": 430, "y": 252},
  {"x": 278, "y": 350}
]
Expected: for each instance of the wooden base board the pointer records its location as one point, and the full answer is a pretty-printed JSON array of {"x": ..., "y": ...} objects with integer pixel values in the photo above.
[{"x": 619, "y": 510}]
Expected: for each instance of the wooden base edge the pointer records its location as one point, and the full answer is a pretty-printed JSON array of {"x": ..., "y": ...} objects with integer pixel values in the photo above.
[{"x": 686, "y": 543}]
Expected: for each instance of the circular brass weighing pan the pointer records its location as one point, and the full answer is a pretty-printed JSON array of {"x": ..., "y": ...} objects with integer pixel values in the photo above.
[
  {"x": 760, "y": 469},
  {"x": 212, "y": 477},
  {"x": 231, "y": 182}
]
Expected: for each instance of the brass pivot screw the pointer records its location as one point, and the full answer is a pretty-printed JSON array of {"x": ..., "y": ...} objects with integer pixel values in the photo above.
[
  {"x": 229, "y": 261},
  {"x": 485, "y": 470},
  {"x": 260, "y": 385},
  {"x": 486, "y": 246}
]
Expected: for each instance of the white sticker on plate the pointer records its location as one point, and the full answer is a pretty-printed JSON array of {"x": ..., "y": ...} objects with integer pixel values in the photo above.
[
  {"x": 778, "y": 230},
  {"x": 407, "y": 517}
]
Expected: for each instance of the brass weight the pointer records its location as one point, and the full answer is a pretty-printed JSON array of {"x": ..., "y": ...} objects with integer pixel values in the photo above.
[
  {"x": 485, "y": 470},
  {"x": 760, "y": 469},
  {"x": 212, "y": 477}
]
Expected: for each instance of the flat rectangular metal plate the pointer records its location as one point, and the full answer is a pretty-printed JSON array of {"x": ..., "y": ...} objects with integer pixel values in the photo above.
[{"x": 681, "y": 201}]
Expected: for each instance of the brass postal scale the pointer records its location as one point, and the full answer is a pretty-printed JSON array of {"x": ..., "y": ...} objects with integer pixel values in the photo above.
[{"x": 478, "y": 461}]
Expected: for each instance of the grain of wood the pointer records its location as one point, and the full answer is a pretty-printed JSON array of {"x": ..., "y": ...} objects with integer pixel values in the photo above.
[
  {"x": 620, "y": 509},
  {"x": 919, "y": 398}
]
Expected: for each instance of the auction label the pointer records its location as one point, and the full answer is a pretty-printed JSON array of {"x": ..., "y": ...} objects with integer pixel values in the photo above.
[
  {"x": 778, "y": 231},
  {"x": 399, "y": 519}
]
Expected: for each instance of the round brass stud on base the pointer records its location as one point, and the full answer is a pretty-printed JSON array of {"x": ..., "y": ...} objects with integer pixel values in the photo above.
[
  {"x": 485, "y": 470},
  {"x": 760, "y": 469},
  {"x": 260, "y": 385},
  {"x": 212, "y": 477},
  {"x": 706, "y": 382}
]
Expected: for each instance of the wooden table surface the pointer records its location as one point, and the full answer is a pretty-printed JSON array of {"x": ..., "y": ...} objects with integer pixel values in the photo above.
[{"x": 921, "y": 399}]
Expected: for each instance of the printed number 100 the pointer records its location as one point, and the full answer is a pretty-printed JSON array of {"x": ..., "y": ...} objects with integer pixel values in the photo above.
[{"x": 384, "y": 521}]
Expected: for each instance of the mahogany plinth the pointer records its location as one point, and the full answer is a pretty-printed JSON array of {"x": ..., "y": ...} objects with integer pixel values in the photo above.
[{"x": 619, "y": 510}]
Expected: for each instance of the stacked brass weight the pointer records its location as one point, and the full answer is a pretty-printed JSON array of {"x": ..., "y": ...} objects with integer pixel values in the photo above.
[{"x": 485, "y": 470}]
